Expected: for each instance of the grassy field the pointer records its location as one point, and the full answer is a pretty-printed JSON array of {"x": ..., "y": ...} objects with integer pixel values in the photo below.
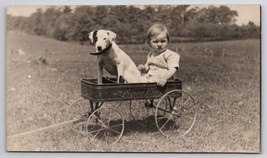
[{"x": 43, "y": 77}]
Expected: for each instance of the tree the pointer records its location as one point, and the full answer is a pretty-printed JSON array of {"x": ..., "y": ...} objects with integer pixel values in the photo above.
[
  {"x": 178, "y": 14},
  {"x": 64, "y": 28},
  {"x": 67, "y": 10},
  {"x": 36, "y": 24},
  {"x": 221, "y": 15},
  {"x": 191, "y": 15},
  {"x": 131, "y": 22},
  {"x": 252, "y": 30},
  {"x": 49, "y": 17}
]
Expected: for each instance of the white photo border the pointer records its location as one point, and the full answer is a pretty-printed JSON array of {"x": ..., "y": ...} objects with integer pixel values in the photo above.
[{"x": 4, "y": 4}]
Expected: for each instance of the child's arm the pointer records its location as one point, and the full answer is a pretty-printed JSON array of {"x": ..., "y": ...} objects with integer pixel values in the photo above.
[
  {"x": 143, "y": 68},
  {"x": 173, "y": 60},
  {"x": 163, "y": 80}
]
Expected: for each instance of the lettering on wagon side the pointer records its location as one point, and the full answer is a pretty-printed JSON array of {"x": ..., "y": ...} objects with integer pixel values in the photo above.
[{"x": 130, "y": 93}]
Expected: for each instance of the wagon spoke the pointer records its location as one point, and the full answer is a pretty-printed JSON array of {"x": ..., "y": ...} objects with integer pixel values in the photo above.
[
  {"x": 160, "y": 118},
  {"x": 164, "y": 110},
  {"x": 76, "y": 111},
  {"x": 97, "y": 130},
  {"x": 95, "y": 135},
  {"x": 117, "y": 125},
  {"x": 114, "y": 131},
  {"x": 90, "y": 123},
  {"x": 110, "y": 119},
  {"x": 109, "y": 132},
  {"x": 183, "y": 109},
  {"x": 182, "y": 113},
  {"x": 186, "y": 101},
  {"x": 165, "y": 123},
  {"x": 97, "y": 119}
]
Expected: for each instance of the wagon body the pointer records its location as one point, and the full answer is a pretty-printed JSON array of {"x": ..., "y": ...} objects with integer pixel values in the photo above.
[
  {"x": 125, "y": 91},
  {"x": 174, "y": 109}
]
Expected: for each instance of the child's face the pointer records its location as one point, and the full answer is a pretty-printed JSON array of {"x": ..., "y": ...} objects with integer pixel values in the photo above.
[{"x": 159, "y": 43}]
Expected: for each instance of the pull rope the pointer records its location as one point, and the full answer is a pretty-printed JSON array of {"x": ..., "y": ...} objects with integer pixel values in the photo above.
[
  {"x": 41, "y": 129},
  {"x": 47, "y": 127}
]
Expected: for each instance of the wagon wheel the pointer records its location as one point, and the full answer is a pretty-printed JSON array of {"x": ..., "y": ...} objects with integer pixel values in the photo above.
[
  {"x": 105, "y": 125},
  {"x": 175, "y": 111},
  {"x": 79, "y": 111}
]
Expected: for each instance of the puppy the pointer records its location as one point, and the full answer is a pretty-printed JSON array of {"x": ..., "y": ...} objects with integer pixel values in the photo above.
[{"x": 111, "y": 58}]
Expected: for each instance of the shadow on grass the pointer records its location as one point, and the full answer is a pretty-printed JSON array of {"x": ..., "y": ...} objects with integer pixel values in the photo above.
[
  {"x": 146, "y": 125},
  {"x": 114, "y": 131}
]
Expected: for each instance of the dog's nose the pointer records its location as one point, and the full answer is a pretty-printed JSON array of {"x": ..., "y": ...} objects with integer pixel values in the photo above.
[{"x": 99, "y": 48}]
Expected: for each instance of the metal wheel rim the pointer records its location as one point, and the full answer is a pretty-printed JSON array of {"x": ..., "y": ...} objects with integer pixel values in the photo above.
[
  {"x": 93, "y": 115},
  {"x": 193, "y": 119},
  {"x": 69, "y": 116}
]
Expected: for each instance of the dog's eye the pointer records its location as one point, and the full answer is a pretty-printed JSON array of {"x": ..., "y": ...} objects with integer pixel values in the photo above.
[
  {"x": 95, "y": 39},
  {"x": 104, "y": 38}
]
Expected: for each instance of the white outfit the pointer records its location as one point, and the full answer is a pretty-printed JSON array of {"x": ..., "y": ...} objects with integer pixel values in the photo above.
[{"x": 158, "y": 64}]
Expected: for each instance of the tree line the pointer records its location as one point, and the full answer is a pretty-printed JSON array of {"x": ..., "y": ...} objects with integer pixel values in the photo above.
[{"x": 185, "y": 23}]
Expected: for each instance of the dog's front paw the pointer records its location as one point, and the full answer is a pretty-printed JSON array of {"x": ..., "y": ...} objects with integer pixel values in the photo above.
[
  {"x": 121, "y": 80},
  {"x": 108, "y": 80}
]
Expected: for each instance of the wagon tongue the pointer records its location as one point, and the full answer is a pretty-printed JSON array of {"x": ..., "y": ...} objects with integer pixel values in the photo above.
[{"x": 103, "y": 51}]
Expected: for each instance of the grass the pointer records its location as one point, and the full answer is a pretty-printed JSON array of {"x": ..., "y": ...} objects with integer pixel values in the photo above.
[{"x": 223, "y": 77}]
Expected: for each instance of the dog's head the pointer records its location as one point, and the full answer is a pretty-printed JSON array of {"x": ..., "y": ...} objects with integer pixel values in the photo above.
[{"x": 101, "y": 39}]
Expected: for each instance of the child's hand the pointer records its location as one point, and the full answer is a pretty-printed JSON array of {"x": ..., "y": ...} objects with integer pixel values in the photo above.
[
  {"x": 162, "y": 81},
  {"x": 142, "y": 68}
]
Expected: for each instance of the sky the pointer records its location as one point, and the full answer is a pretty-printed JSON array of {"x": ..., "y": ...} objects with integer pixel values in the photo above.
[{"x": 246, "y": 12}]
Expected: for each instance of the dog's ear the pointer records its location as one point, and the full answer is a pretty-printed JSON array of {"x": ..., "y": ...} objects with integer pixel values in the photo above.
[
  {"x": 112, "y": 35},
  {"x": 92, "y": 37}
]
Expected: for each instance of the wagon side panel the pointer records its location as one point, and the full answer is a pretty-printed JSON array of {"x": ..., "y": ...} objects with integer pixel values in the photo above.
[{"x": 118, "y": 92}]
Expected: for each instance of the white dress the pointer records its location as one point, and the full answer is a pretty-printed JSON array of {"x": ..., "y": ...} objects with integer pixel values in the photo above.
[{"x": 159, "y": 64}]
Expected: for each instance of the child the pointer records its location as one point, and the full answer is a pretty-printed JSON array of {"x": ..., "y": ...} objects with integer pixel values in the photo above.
[{"x": 162, "y": 63}]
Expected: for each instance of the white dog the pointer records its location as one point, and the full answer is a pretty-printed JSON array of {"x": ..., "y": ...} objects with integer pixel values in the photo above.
[{"x": 112, "y": 58}]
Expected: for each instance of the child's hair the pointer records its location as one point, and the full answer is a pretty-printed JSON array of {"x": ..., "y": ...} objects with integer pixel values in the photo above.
[{"x": 156, "y": 29}]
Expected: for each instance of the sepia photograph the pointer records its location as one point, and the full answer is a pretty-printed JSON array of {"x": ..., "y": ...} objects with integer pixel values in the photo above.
[{"x": 182, "y": 78}]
